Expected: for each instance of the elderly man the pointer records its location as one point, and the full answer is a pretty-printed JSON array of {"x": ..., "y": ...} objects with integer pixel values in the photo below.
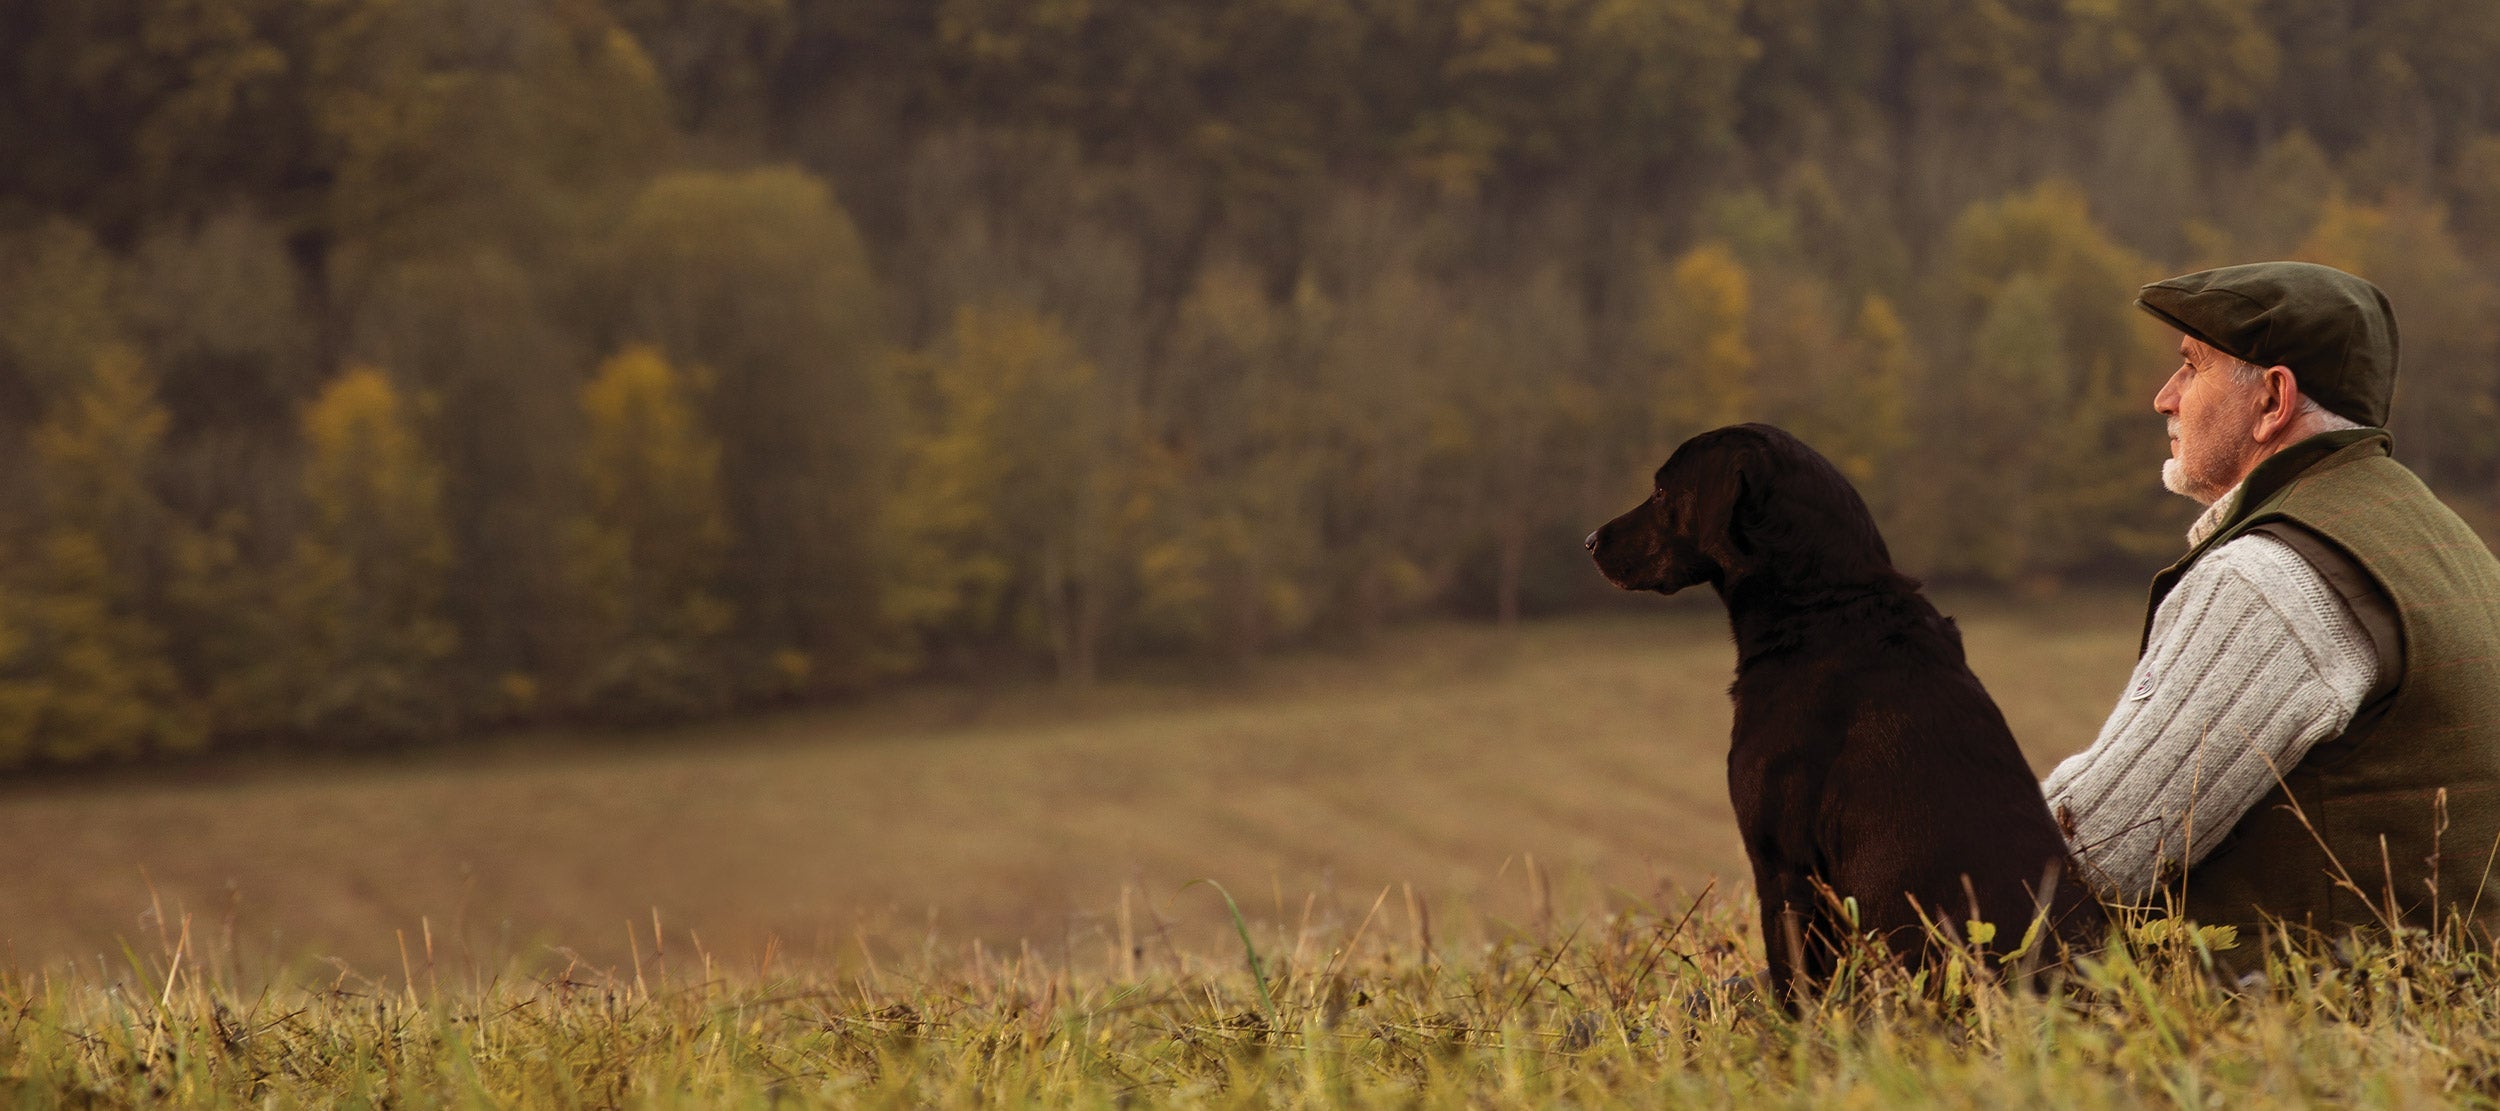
[{"x": 2312, "y": 730}]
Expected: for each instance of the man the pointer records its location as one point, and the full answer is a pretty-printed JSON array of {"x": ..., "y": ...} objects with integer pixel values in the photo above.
[{"x": 2312, "y": 729}]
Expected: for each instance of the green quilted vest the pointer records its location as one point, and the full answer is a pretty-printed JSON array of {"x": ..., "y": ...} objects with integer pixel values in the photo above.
[{"x": 2405, "y": 804}]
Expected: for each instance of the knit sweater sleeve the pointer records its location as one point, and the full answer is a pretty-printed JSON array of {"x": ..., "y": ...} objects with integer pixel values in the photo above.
[{"x": 2253, "y": 659}]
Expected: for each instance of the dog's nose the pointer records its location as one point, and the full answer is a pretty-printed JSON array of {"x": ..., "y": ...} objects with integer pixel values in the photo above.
[{"x": 1590, "y": 543}]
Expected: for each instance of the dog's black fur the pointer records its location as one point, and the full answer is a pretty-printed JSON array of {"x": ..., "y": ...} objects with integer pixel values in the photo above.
[{"x": 1868, "y": 763}]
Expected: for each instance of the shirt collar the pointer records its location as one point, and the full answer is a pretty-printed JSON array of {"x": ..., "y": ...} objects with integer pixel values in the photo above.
[{"x": 2215, "y": 516}]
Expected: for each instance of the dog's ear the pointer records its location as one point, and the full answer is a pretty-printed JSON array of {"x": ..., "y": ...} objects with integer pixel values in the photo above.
[
  {"x": 1747, "y": 488},
  {"x": 1744, "y": 516}
]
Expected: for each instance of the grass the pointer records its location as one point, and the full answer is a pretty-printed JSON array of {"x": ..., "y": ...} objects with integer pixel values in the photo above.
[
  {"x": 1461, "y": 866},
  {"x": 1643, "y": 1006}
]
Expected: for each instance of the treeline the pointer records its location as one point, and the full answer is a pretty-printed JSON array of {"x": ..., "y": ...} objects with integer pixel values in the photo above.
[{"x": 375, "y": 369}]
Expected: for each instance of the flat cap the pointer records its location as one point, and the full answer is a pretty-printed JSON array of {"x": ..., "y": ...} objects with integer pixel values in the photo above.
[{"x": 2336, "y": 332}]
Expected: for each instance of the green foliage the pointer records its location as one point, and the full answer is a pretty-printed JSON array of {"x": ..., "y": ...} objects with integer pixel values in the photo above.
[
  {"x": 363, "y": 595},
  {"x": 647, "y": 555}
]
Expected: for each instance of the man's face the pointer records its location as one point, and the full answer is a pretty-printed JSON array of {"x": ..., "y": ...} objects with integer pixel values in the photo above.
[{"x": 2213, "y": 421}]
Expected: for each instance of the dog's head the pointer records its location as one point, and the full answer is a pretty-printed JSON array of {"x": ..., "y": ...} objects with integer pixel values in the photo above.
[{"x": 1744, "y": 504}]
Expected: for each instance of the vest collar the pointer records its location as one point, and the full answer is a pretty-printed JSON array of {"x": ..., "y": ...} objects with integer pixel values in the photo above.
[{"x": 2277, "y": 471}]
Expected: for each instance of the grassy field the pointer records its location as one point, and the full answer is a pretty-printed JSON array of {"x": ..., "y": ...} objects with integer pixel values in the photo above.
[
  {"x": 1574, "y": 764},
  {"x": 1642, "y": 1007},
  {"x": 1473, "y": 869}
]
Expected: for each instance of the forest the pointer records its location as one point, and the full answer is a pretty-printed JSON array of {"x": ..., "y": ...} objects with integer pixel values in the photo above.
[{"x": 376, "y": 371}]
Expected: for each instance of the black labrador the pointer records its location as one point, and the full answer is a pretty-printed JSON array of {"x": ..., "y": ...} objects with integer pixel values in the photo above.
[{"x": 1872, "y": 774}]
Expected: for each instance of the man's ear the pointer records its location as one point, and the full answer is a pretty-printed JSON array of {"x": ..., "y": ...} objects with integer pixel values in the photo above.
[{"x": 2282, "y": 403}]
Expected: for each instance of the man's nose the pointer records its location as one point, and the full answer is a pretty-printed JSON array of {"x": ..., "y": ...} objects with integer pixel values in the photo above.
[{"x": 1591, "y": 543}]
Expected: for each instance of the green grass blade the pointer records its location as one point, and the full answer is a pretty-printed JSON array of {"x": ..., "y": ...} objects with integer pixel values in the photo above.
[{"x": 1257, "y": 973}]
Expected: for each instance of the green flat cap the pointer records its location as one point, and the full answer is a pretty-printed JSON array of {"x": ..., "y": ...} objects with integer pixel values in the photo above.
[{"x": 2335, "y": 331}]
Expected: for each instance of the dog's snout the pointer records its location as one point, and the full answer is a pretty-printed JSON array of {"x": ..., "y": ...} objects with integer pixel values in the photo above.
[{"x": 1590, "y": 544}]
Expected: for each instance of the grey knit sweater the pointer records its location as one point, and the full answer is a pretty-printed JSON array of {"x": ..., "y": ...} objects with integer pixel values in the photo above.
[{"x": 2253, "y": 659}]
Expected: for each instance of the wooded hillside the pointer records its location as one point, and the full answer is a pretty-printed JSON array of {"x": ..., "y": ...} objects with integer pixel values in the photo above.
[{"x": 376, "y": 369}]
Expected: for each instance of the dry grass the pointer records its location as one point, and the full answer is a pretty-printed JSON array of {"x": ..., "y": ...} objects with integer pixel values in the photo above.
[
  {"x": 1069, "y": 965},
  {"x": 1643, "y": 1007},
  {"x": 1443, "y": 759}
]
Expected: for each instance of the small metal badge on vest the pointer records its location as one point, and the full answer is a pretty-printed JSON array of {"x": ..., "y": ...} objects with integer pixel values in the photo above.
[{"x": 2142, "y": 690}]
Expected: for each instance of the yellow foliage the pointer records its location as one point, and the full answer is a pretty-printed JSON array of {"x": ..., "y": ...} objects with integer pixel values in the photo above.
[
  {"x": 1696, "y": 327},
  {"x": 83, "y": 668},
  {"x": 364, "y": 591},
  {"x": 645, "y": 559}
]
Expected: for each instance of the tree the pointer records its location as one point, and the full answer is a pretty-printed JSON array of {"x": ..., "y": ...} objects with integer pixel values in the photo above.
[
  {"x": 84, "y": 670},
  {"x": 2280, "y": 197},
  {"x": 1380, "y": 428},
  {"x": 2447, "y": 407},
  {"x": 1231, "y": 557},
  {"x": 2220, "y": 54},
  {"x": 1695, "y": 329},
  {"x": 646, "y": 557},
  {"x": 2145, "y": 181},
  {"x": 470, "y": 328},
  {"x": 368, "y": 639},
  {"x": 221, "y": 306},
  {"x": 2050, "y": 427},
  {"x": 1518, "y": 362},
  {"x": 58, "y": 315},
  {"x": 1006, "y": 519},
  {"x": 760, "y": 277}
]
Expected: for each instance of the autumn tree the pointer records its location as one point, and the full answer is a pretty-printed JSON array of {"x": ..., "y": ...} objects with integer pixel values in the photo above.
[
  {"x": 1232, "y": 551},
  {"x": 470, "y": 328},
  {"x": 1526, "y": 415},
  {"x": 1376, "y": 439},
  {"x": 645, "y": 557},
  {"x": 2446, "y": 417},
  {"x": 58, "y": 312},
  {"x": 84, "y": 670},
  {"x": 2052, "y": 422},
  {"x": 368, "y": 641},
  {"x": 760, "y": 277},
  {"x": 1006, "y": 519},
  {"x": 1695, "y": 330}
]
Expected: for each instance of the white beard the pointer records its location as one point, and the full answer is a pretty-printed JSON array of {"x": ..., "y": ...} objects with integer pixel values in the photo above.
[{"x": 2174, "y": 479}]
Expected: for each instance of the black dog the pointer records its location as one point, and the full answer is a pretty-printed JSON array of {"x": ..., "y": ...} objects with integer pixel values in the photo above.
[{"x": 1869, "y": 766}]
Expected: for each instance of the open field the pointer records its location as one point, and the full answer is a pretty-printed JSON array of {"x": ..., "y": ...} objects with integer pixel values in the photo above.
[
  {"x": 1443, "y": 758},
  {"x": 919, "y": 903}
]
